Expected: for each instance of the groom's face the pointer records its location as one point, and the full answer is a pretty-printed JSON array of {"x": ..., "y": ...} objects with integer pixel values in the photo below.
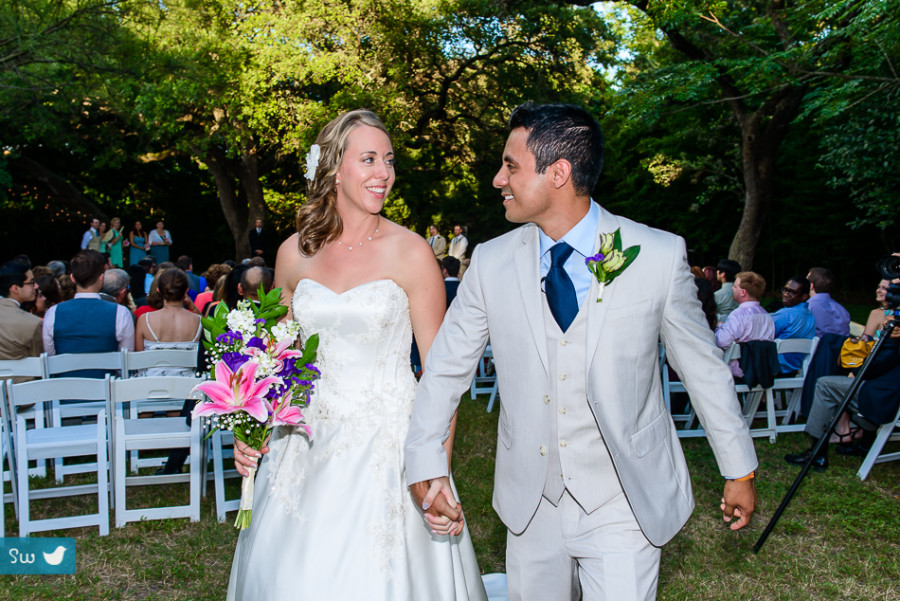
[{"x": 524, "y": 190}]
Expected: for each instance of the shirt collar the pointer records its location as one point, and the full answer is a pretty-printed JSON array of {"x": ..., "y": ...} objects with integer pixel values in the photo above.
[
  {"x": 87, "y": 295},
  {"x": 581, "y": 237}
]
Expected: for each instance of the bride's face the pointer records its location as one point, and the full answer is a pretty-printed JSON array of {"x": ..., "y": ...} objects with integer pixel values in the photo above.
[{"x": 366, "y": 174}]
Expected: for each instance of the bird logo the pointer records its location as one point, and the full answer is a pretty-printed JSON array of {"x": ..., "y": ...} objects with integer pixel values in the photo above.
[{"x": 55, "y": 558}]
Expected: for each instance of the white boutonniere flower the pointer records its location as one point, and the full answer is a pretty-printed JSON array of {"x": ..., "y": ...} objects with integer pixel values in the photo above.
[{"x": 611, "y": 261}]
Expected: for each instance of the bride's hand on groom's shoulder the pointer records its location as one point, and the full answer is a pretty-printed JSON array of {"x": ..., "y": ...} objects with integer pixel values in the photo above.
[{"x": 246, "y": 456}]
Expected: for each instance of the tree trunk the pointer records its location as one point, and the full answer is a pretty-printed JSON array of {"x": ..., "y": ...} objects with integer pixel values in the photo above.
[
  {"x": 240, "y": 195},
  {"x": 758, "y": 167}
]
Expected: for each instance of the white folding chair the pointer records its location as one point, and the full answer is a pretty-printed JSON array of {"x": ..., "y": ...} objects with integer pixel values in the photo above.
[
  {"x": 485, "y": 380},
  {"x": 889, "y": 432},
  {"x": 55, "y": 441},
  {"x": 793, "y": 386},
  {"x": 157, "y": 433},
  {"x": 74, "y": 363},
  {"x": 221, "y": 439},
  {"x": 29, "y": 367},
  {"x": 133, "y": 362},
  {"x": 751, "y": 400}
]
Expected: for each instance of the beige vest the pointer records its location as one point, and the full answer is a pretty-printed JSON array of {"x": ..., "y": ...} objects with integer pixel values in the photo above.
[{"x": 578, "y": 458}]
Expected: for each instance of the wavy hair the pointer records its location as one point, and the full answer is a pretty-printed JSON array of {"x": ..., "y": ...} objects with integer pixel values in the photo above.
[{"x": 318, "y": 221}]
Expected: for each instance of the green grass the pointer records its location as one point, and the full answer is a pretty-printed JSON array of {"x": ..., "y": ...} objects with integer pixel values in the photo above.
[{"x": 838, "y": 540}]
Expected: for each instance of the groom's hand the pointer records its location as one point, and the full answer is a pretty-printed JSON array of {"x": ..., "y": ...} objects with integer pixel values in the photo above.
[{"x": 738, "y": 501}]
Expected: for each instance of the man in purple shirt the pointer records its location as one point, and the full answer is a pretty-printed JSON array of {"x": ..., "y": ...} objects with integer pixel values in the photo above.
[
  {"x": 749, "y": 321},
  {"x": 831, "y": 317}
]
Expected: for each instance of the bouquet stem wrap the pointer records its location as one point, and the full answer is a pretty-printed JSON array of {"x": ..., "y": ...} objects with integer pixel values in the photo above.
[{"x": 245, "y": 512}]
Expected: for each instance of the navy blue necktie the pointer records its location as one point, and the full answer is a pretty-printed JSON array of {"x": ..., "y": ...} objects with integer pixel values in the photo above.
[{"x": 560, "y": 290}]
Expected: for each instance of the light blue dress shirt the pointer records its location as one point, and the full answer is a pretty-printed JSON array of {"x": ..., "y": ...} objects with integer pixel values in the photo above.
[{"x": 582, "y": 238}]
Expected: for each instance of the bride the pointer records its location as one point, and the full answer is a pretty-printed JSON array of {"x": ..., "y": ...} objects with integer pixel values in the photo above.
[{"x": 332, "y": 516}]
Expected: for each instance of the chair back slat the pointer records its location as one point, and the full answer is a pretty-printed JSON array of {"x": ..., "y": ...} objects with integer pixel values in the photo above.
[
  {"x": 29, "y": 367},
  {"x": 151, "y": 388},
  {"x": 136, "y": 360},
  {"x": 69, "y": 362}
]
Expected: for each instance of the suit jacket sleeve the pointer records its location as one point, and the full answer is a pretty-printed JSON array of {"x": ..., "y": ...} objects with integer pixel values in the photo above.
[
  {"x": 691, "y": 349},
  {"x": 449, "y": 369}
]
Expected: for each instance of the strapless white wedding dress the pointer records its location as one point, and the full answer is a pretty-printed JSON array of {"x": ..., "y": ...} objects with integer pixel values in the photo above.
[{"x": 333, "y": 519}]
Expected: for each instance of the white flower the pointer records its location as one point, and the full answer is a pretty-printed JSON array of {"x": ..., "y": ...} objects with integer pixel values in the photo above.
[
  {"x": 286, "y": 330},
  {"x": 312, "y": 161},
  {"x": 242, "y": 320}
]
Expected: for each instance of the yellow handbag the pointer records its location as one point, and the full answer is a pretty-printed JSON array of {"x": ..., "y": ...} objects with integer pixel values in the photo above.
[{"x": 854, "y": 352}]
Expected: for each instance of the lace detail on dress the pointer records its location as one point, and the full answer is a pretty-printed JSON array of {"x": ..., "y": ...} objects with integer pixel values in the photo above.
[{"x": 361, "y": 404}]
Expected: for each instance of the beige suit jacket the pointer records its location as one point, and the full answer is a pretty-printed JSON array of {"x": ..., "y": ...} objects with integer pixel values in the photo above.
[
  {"x": 20, "y": 332},
  {"x": 653, "y": 300}
]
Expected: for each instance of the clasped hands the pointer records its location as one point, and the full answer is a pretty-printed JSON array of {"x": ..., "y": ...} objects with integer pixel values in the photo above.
[{"x": 442, "y": 511}]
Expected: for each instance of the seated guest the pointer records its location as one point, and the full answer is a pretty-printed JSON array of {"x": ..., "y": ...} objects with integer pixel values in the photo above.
[
  {"x": 251, "y": 280},
  {"x": 20, "y": 331},
  {"x": 749, "y": 321},
  {"x": 87, "y": 323},
  {"x": 878, "y": 316},
  {"x": 875, "y": 403},
  {"x": 831, "y": 317},
  {"x": 116, "y": 283},
  {"x": 726, "y": 271},
  {"x": 794, "y": 320},
  {"x": 48, "y": 294},
  {"x": 196, "y": 283},
  {"x": 707, "y": 299},
  {"x": 212, "y": 275},
  {"x": 450, "y": 270}
]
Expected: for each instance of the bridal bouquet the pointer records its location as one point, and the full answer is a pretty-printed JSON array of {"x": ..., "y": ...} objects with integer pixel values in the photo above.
[{"x": 259, "y": 380}]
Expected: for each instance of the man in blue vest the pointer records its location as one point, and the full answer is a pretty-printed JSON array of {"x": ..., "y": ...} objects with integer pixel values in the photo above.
[{"x": 87, "y": 323}]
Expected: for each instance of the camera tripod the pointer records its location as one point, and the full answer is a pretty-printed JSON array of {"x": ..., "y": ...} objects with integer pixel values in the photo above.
[{"x": 823, "y": 440}]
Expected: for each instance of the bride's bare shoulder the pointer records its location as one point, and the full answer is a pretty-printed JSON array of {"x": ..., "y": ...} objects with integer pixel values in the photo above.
[{"x": 289, "y": 263}]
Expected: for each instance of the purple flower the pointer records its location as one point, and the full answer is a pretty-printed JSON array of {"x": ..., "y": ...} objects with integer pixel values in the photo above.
[
  {"x": 229, "y": 338},
  {"x": 257, "y": 343},
  {"x": 234, "y": 360},
  {"x": 596, "y": 258},
  {"x": 259, "y": 321}
]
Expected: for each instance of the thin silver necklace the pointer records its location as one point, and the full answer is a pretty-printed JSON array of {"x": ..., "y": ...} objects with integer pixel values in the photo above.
[{"x": 369, "y": 239}]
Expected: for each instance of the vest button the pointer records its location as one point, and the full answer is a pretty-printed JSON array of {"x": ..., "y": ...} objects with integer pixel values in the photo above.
[
  {"x": 562, "y": 410},
  {"x": 547, "y": 399},
  {"x": 562, "y": 377},
  {"x": 563, "y": 443},
  {"x": 563, "y": 342},
  {"x": 542, "y": 450}
]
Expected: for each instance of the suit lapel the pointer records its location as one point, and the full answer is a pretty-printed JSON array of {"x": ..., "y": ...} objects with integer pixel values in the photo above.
[
  {"x": 597, "y": 311},
  {"x": 528, "y": 277}
]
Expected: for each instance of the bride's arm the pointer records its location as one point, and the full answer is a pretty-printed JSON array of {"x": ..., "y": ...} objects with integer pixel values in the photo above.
[{"x": 287, "y": 268}]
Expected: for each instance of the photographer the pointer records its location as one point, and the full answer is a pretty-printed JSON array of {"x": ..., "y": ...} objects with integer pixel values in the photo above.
[{"x": 878, "y": 397}]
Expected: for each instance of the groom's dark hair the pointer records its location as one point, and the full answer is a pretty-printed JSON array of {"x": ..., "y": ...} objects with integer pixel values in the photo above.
[{"x": 563, "y": 131}]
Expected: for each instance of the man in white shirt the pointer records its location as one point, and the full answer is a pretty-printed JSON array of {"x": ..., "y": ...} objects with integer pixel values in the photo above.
[
  {"x": 459, "y": 243},
  {"x": 92, "y": 232},
  {"x": 87, "y": 323}
]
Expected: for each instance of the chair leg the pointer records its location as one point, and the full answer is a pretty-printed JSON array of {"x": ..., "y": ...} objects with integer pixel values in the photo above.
[
  {"x": 121, "y": 458},
  {"x": 196, "y": 471},
  {"x": 884, "y": 434},
  {"x": 102, "y": 481},
  {"x": 24, "y": 521}
]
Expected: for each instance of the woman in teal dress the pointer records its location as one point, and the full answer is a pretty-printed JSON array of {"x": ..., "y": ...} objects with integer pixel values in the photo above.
[
  {"x": 138, "y": 241},
  {"x": 113, "y": 242},
  {"x": 160, "y": 240}
]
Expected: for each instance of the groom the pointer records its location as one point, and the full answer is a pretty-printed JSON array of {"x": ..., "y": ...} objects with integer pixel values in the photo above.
[{"x": 590, "y": 478}]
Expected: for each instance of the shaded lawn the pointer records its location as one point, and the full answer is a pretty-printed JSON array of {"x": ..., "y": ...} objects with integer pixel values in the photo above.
[{"x": 839, "y": 539}]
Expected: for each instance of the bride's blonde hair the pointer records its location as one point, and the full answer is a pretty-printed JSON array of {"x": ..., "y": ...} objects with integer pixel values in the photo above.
[{"x": 318, "y": 221}]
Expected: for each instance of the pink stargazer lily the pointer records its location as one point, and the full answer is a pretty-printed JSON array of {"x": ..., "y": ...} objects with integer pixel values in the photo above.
[
  {"x": 286, "y": 414},
  {"x": 281, "y": 351},
  {"x": 236, "y": 391}
]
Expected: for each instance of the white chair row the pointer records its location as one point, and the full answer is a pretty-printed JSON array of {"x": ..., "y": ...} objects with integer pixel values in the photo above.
[
  {"x": 786, "y": 391},
  {"x": 122, "y": 364},
  {"x": 68, "y": 438}
]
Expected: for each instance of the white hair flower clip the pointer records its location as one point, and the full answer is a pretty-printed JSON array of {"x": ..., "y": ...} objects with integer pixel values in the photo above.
[{"x": 312, "y": 161}]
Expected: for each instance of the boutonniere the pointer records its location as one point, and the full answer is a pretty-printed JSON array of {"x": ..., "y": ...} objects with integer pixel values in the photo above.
[{"x": 611, "y": 261}]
